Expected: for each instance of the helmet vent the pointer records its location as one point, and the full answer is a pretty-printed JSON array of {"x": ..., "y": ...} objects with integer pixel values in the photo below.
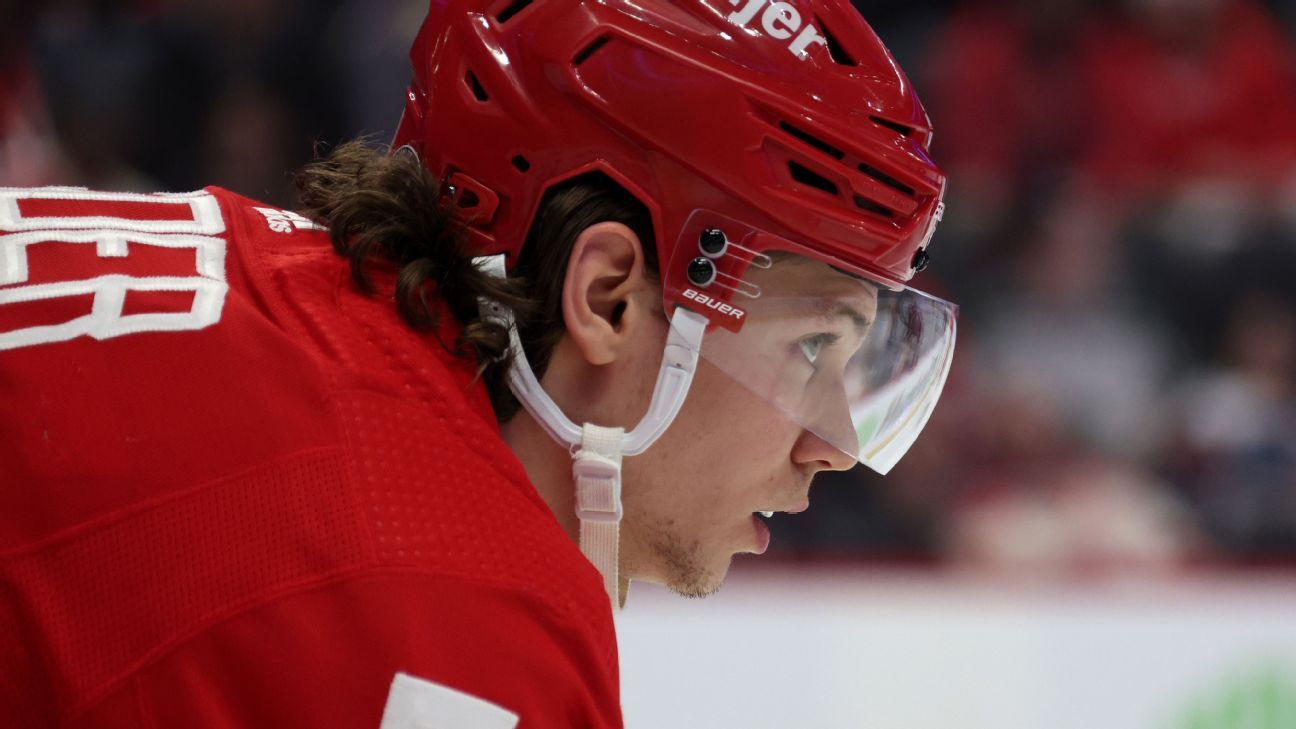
[
  {"x": 902, "y": 129},
  {"x": 521, "y": 163},
  {"x": 835, "y": 49},
  {"x": 813, "y": 141},
  {"x": 807, "y": 176},
  {"x": 864, "y": 203},
  {"x": 589, "y": 50},
  {"x": 885, "y": 179},
  {"x": 512, "y": 9},
  {"x": 475, "y": 86}
]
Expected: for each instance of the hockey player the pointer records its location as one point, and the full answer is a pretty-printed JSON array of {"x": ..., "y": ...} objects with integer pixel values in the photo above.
[{"x": 632, "y": 275}]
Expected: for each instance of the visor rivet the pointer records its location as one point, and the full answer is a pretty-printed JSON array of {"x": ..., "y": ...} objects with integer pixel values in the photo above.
[
  {"x": 701, "y": 272},
  {"x": 920, "y": 261},
  {"x": 713, "y": 242}
]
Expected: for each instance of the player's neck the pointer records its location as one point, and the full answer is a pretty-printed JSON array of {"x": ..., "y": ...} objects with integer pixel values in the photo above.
[{"x": 548, "y": 465}]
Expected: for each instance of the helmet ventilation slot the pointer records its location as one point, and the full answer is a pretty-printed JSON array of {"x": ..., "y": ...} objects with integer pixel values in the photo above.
[
  {"x": 589, "y": 50},
  {"x": 864, "y": 203},
  {"x": 475, "y": 87},
  {"x": 807, "y": 176},
  {"x": 903, "y": 130},
  {"x": 813, "y": 141},
  {"x": 886, "y": 179},
  {"x": 521, "y": 163},
  {"x": 510, "y": 10},
  {"x": 835, "y": 49}
]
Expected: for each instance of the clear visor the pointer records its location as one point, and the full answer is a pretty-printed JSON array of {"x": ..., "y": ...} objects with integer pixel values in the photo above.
[{"x": 858, "y": 363}]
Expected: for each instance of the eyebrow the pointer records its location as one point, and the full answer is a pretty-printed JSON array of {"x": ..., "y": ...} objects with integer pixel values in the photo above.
[
  {"x": 830, "y": 308},
  {"x": 859, "y": 320}
]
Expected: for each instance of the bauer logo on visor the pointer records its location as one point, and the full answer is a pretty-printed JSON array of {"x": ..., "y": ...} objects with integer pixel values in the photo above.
[{"x": 714, "y": 304}]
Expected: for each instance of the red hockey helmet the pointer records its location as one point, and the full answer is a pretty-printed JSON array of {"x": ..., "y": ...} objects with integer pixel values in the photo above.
[
  {"x": 791, "y": 116},
  {"x": 744, "y": 126}
]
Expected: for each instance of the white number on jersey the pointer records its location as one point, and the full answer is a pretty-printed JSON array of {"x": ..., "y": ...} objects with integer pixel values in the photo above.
[
  {"x": 416, "y": 703},
  {"x": 176, "y": 221}
]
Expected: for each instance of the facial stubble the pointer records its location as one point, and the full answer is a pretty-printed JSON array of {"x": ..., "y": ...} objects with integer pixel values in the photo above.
[{"x": 686, "y": 570}]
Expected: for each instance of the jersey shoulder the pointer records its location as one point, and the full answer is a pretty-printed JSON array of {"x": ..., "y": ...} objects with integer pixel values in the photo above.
[
  {"x": 261, "y": 224},
  {"x": 442, "y": 492},
  {"x": 138, "y": 356},
  {"x": 178, "y": 465}
]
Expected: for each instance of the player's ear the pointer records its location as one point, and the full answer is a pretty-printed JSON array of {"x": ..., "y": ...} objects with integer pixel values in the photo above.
[{"x": 605, "y": 291}]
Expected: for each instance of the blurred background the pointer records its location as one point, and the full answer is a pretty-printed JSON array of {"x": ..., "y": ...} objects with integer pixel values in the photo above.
[{"x": 1120, "y": 234}]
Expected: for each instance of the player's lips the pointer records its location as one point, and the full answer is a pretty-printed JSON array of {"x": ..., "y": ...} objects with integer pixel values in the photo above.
[
  {"x": 762, "y": 530},
  {"x": 794, "y": 509},
  {"x": 762, "y": 534}
]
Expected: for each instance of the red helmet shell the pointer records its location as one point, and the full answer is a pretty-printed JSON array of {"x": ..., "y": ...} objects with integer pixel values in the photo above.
[{"x": 791, "y": 116}]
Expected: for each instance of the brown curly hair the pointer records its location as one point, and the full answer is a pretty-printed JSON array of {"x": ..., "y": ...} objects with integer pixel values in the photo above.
[{"x": 380, "y": 205}]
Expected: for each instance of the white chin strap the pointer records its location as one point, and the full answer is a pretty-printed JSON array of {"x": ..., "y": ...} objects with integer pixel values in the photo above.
[{"x": 596, "y": 450}]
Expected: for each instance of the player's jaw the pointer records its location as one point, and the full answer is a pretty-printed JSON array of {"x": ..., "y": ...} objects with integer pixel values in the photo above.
[{"x": 690, "y": 554}]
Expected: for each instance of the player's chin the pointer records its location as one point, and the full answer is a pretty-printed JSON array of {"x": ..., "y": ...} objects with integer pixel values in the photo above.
[
  {"x": 698, "y": 586},
  {"x": 691, "y": 567},
  {"x": 705, "y": 577}
]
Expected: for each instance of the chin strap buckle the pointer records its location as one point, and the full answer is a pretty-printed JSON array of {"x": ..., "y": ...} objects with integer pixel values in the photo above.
[
  {"x": 596, "y": 468},
  {"x": 598, "y": 487}
]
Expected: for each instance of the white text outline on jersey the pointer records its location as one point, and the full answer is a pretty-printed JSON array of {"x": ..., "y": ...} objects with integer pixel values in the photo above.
[
  {"x": 111, "y": 237},
  {"x": 106, "y": 319},
  {"x": 205, "y": 215},
  {"x": 209, "y": 253}
]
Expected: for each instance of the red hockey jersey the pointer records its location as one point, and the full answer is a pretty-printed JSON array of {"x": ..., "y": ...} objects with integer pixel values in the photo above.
[{"x": 236, "y": 492}]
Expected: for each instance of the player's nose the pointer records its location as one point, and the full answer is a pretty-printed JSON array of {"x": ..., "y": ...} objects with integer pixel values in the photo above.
[{"x": 821, "y": 454}]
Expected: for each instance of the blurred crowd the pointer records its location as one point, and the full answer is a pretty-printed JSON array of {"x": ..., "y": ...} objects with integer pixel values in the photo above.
[{"x": 1120, "y": 234}]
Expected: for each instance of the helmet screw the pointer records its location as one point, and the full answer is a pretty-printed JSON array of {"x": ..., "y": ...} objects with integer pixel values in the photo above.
[
  {"x": 713, "y": 242},
  {"x": 701, "y": 272},
  {"x": 920, "y": 260}
]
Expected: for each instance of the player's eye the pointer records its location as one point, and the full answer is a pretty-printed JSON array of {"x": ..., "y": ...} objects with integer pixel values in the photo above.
[{"x": 813, "y": 345}]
